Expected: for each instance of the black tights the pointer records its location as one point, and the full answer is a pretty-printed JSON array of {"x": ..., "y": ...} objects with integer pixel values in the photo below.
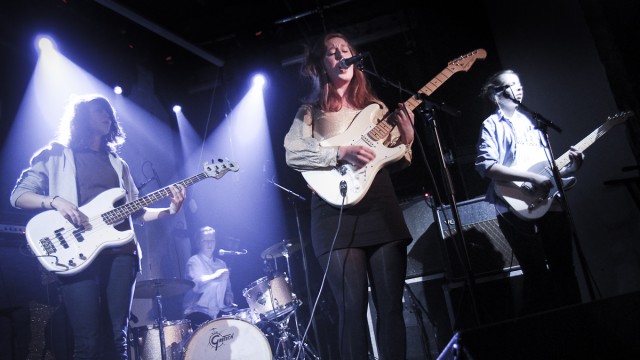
[{"x": 385, "y": 266}]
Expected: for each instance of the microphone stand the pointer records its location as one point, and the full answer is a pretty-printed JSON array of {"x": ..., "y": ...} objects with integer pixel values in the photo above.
[
  {"x": 543, "y": 124},
  {"x": 304, "y": 262},
  {"x": 426, "y": 110}
]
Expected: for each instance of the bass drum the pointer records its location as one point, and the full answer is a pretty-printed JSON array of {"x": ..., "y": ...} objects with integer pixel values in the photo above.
[{"x": 229, "y": 339}]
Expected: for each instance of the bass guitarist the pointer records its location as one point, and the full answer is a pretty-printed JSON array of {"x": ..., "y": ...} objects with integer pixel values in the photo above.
[
  {"x": 509, "y": 143},
  {"x": 63, "y": 177}
]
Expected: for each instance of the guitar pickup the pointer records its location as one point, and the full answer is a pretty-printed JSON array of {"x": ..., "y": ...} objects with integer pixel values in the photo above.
[
  {"x": 61, "y": 239},
  {"x": 77, "y": 233},
  {"x": 528, "y": 187}
]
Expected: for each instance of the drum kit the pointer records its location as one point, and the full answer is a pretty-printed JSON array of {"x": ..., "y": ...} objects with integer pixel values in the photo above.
[{"x": 236, "y": 334}]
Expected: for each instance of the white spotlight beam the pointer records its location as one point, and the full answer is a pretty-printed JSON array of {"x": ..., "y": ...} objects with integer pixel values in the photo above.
[{"x": 160, "y": 31}]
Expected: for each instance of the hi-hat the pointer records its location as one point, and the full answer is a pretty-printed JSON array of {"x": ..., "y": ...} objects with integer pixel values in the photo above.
[
  {"x": 148, "y": 289},
  {"x": 280, "y": 249}
]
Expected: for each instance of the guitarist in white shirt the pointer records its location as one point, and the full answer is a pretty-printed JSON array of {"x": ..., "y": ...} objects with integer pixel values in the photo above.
[
  {"x": 508, "y": 142},
  {"x": 63, "y": 177}
]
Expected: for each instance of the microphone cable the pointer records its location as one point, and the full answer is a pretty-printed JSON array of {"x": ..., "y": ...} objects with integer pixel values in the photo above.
[{"x": 343, "y": 192}]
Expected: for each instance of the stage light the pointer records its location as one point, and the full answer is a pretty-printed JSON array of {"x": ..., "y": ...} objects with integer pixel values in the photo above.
[
  {"x": 117, "y": 90},
  {"x": 177, "y": 108},
  {"x": 259, "y": 80},
  {"x": 45, "y": 44}
]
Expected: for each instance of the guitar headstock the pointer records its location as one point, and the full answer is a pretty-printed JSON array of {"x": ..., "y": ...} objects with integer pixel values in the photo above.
[
  {"x": 619, "y": 118},
  {"x": 464, "y": 62},
  {"x": 219, "y": 167}
]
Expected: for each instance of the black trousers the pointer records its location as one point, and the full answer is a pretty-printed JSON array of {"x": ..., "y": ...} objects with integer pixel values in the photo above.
[{"x": 544, "y": 250}]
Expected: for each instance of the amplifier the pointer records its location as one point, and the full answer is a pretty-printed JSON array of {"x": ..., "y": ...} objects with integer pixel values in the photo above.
[{"x": 484, "y": 245}]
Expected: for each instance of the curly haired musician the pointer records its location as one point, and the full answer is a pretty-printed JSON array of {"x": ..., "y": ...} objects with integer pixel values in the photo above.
[
  {"x": 67, "y": 175},
  {"x": 510, "y": 140}
]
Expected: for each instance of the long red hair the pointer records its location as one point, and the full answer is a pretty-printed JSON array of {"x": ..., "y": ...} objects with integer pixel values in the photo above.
[{"x": 324, "y": 94}]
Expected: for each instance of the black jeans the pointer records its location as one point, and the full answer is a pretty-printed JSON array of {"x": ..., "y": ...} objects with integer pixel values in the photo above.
[
  {"x": 544, "y": 250},
  {"x": 97, "y": 302},
  {"x": 385, "y": 267}
]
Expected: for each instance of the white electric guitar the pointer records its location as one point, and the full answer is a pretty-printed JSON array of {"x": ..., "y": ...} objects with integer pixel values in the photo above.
[
  {"x": 522, "y": 197},
  {"x": 66, "y": 249},
  {"x": 329, "y": 183}
]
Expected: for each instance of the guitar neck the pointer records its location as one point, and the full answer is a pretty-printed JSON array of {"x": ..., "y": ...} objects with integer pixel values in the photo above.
[
  {"x": 121, "y": 212},
  {"x": 596, "y": 134},
  {"x": 383, "y": 128}
]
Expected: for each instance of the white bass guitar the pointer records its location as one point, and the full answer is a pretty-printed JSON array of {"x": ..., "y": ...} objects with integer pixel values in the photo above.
[{"x": 66, "y": 249}]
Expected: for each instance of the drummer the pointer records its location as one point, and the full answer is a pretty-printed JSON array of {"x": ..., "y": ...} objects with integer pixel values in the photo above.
[{"x": 212, "y": 290}]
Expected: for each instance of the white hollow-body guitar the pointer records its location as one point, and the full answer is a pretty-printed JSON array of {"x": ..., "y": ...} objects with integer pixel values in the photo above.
[
  {"x": 66, "y": 249},
  {"x": 328, "y": 183},
  {"x": 521, "y": 195}
]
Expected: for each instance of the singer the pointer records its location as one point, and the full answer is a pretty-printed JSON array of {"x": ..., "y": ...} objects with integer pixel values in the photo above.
[
  {"x": 542, "y": 246},
  {"x": 212, "y": 291},
  {"x": 371, "y": 243}
]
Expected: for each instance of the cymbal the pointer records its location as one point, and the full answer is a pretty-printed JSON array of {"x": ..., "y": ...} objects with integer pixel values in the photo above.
[
  {"x": 148, "y": 289},
  {"x": 279, "y": 249}
]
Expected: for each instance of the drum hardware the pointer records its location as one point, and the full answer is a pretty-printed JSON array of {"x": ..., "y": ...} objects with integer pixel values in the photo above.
[
  {"x": 146, "y": 343},
  {"x": 294, "y": 199},
  {"x": 275, "y": 302},
  {"x": 156, "y": 289},
  {"x": 271, "y": 297},
  {"x": 283, "y": 248},
  {"x": 288, "y": 346}
]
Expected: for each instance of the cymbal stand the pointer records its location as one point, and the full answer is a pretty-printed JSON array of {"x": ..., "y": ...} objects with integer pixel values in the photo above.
[
  {"x": 289, "y": 346},
  {"x": 293, "y": 198},
  {"x": 160, "y": 320}
]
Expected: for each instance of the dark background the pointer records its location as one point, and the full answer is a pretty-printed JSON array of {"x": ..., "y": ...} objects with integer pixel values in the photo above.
[{"x": 577, "y": 61}]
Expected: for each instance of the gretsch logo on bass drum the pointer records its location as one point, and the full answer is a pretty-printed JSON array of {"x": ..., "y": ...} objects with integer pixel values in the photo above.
[{"x": 218, "y": 339}]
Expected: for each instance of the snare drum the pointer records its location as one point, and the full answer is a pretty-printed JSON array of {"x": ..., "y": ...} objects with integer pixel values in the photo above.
[
  {"x": 271, "y": 298},
  {"x": 228, "y": 339},
  {"x": 146, "y": 340}
]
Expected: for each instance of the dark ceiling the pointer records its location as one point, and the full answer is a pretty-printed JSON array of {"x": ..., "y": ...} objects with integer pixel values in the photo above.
[{"x": 195, "y": 34}]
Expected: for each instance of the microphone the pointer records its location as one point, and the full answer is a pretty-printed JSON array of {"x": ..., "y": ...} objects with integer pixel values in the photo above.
[
  {"x": 499, "y": 89},
  {"x": 223, "y": 252},
  {"x": 345, "y": 63},
  {"x": 510, "y": 96}
]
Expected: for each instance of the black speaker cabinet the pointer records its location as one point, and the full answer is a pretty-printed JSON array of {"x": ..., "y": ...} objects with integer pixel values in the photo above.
[
  {"x": 484, "y": 245},
  {"x": 604, "y": 329},
  {"x": 424, "y": 254}
]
